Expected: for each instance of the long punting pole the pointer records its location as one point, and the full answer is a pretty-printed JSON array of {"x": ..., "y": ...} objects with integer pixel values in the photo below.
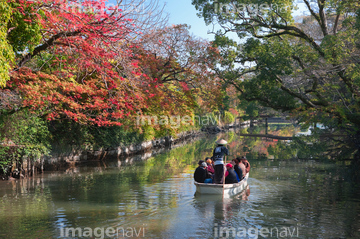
[{"x": 224, "y": 176}]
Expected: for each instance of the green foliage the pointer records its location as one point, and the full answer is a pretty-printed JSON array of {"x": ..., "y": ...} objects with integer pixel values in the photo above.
[
  {"x": 69, "y": 135},
  {"x": 307, "y": 67},
  {"x": 25, "y": 32},
  {"x": 358, "y": 19},
  {"x": 211, "y": 119},
  {"x": 114, "y": 136},
  {"x": 6, "y": 51},
  {"x": 149, "y": 132},
  {"x": 228, "y": 118},
  {"x": 252, "y": 109},
  {"x": 19, "y": 33},
  {"x": 282, "y": 151},
  {"x": 5, "y": 159},
  {"x": 24, "y": 136},
  {"x": 230, "y": 136}
]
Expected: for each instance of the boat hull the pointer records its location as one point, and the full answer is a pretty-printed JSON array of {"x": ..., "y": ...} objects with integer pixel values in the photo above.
[{"x": 219, "y": 189}]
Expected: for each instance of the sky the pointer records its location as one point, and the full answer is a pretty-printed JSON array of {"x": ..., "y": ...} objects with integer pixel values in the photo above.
[
  {"x": 182, "y": 11},
  {"x": 179, "y": 12}
]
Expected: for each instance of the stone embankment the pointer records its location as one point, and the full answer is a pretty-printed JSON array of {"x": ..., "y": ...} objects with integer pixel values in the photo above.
[
  {"x": 146, "y": 149},
  {"x": 120, "y": 155},
  {"x": 59, "y": 161}
]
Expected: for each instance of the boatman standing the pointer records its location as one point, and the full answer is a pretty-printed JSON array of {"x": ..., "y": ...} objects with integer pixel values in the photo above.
[{"x": 218, "y": 155}]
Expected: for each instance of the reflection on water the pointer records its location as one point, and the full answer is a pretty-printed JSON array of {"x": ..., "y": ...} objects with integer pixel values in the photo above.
[{"x": 317, "y": 198}]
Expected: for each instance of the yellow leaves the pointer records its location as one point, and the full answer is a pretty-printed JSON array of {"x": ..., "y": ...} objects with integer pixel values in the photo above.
[{"x": 6, "y": 51}]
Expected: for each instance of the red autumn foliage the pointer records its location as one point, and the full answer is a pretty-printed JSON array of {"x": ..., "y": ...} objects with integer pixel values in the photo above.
[
  {"x": 58, "y": 99},
  {"x": 89, "y": 68},
  {"x": 87, "y": 73}
]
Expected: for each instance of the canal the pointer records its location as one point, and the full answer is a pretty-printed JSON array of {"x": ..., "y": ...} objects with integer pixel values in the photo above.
[{"x": 154, "y": 198}]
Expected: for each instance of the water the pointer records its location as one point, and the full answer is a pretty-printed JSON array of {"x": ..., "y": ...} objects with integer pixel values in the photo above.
[{"x": 155, "y": 198}]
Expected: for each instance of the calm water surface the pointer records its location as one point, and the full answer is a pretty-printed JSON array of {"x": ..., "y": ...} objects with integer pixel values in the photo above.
[{"x": 155, "y": 198}]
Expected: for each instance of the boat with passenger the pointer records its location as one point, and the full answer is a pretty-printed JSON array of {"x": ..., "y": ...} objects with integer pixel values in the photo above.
[{"x": 227, "y": 190}]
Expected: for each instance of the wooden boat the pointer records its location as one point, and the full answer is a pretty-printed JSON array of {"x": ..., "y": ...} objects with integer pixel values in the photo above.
[{"x": 218, "y": 189}]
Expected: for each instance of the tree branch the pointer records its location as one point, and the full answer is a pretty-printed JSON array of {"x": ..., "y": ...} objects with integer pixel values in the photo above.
[
  {"x": 336, "y": 24},
  {"x": 312, "y": 11},
  {"x": 323, "y": 19},
  {"x": 43, "y": 47}
]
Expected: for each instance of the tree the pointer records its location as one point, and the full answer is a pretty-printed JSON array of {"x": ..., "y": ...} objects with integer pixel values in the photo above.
[
  {"x": 91, "y": 63},
  {"x": 283, "y": 63},
  {"x": 79, "y": 64},
  {"x": 178, "y": 73}
]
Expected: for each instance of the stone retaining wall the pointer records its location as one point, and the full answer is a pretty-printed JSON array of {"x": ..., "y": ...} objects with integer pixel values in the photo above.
[
  {"x": 58, "y": 161},
  {"x": 144, "y": 150}
]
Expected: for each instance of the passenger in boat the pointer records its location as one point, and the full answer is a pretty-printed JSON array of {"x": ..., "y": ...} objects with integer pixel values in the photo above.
[
  {"x": 246, "y": 163},
  {"x": 218, "y": 156},
  {"x": 242, "y": 167},
  {"x": 201, "y": 174},
  {"x": 209, "y": 173},
  {"x": 230, "y": 174},
  {"x": 210, "y": 166},
  {"x": 237, "y": 169}
]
